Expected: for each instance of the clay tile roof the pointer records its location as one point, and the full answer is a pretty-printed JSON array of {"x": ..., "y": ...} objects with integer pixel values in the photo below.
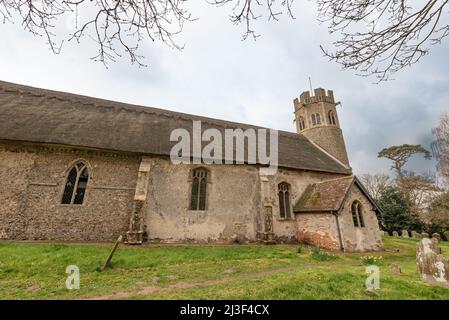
[
  {"x": 43, "y": 116},
  {"x": 329, "y": 195},
  {"x": 324, "y": 196}
]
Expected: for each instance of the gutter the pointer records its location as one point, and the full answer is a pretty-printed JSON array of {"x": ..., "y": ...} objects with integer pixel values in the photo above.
[{"x": 340, "y": 238}]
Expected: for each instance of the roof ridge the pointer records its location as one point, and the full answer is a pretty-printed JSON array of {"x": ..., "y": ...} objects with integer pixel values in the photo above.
[
  {"x": 335, "y": 179},
  {"x": 69, "y": 97},
  {"x": 291, "y": 141}
]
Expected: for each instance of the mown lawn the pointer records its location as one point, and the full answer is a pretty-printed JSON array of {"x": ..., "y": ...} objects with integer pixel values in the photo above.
[{"x": 37, "y": 271}]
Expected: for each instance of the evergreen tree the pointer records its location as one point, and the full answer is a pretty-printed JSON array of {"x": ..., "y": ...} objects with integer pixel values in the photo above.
[{"x": 396, "y": 213}]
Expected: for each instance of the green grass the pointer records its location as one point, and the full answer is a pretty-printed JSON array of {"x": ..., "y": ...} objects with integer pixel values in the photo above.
[{"x": 37, "y": 271}]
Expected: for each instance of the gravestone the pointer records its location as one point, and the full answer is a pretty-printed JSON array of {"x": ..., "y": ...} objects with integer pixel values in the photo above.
[
  {"x": 382, "y": 233},
  {"x": 395, "y": 234},
  {"x": 446, "y": 235},
  {"x": 432, "y": 266},
  {"x": 436, "y": 236},
  {"x": 405, "y": 234},
  {"x": 414, "y": 234},
  {"x": 424, "y": 235}
]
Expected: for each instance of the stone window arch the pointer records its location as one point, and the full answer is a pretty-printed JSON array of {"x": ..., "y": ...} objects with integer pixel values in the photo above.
[
  {"x": 76, "y": 184},
  {"x": 284, "y": 200},
  {"x": 198, "y": 196},
  {"x": 316, "y": 119},
  {"x": 331, "y": 116},
  {"x": 357, "y": 214},
  {"x": 302, "y": 124}
]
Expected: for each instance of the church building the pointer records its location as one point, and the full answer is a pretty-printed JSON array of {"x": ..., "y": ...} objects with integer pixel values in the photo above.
[{"x": 77, "y": 168}]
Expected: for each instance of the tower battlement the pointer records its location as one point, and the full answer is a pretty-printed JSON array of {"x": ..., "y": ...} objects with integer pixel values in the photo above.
[
  {"x": 317, "y": 119},
  {"x": 319, "y": 96}
]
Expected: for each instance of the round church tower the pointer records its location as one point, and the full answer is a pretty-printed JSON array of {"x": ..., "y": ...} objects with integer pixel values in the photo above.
[{"x": 316, "y": 118}]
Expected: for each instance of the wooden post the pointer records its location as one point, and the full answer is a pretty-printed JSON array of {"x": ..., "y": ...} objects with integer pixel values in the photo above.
[{"x": 112, "y": 253}]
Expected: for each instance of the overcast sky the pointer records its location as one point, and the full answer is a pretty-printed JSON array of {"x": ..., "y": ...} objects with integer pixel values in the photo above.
[{"x": 220, "y": 76}]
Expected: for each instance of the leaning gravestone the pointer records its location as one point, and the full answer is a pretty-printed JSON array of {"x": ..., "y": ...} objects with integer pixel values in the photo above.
[
  {"x": 446, "y": 235},
  {"x": 424, "y": 235},
  {"x": 395, "y": 234},
  {"x": 436, "y": 236},
  {"x": 432, "y": 266},
  {"x": 405, "y": 234}
]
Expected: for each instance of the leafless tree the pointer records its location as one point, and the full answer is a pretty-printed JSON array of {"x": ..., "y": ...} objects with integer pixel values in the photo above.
[
  {"x": 116, "y": 26},
  {"x": 381, "y": 37},
  {"x": 419, "y": 190},
  {"x": 441, "y": 146},
  {"x": 245, "y": 11},
  {"x": 119, "y": 26},
  {"x": 376, "y": 183},
  {"x": 376, "y": 37}
]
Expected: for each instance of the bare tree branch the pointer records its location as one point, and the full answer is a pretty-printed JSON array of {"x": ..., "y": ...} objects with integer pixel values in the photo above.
[
  {"x": 381, "y": 37},
  {"x": 244, "y": 11},
  {"x": 375, "y": 37},
  {"x": 115, "y": 26}
]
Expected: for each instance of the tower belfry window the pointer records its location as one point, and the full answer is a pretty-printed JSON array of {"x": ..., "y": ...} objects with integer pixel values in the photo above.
[
  {"x": 316, "y": 119},
  {"x": 332, "y": 120},
  {"x": 302, "y": 124}
]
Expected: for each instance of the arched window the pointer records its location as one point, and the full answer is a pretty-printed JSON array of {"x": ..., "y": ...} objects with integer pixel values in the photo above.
[
  {"x": 332, "y": 118},
  {"x": 76, "y": 184},
  {"x": 357, "y": 216},
  {"x": 302, "y": 124},
  {"x": 318, "y": 118},
  {"x": 199, "y": 189},
  {"x": 284, "y": 200}
]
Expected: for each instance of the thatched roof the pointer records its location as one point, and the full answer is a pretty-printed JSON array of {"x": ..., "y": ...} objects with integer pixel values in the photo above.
[{"x": 43, "y": 116}]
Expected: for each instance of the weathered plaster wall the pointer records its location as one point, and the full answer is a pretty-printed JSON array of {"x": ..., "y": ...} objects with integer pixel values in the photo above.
[
  {"x": 360, "y": 239},
  {"x": 232, "y": 204},
  {"x": 318, "y": 229},
  {"x": 32, "y": 187}
]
